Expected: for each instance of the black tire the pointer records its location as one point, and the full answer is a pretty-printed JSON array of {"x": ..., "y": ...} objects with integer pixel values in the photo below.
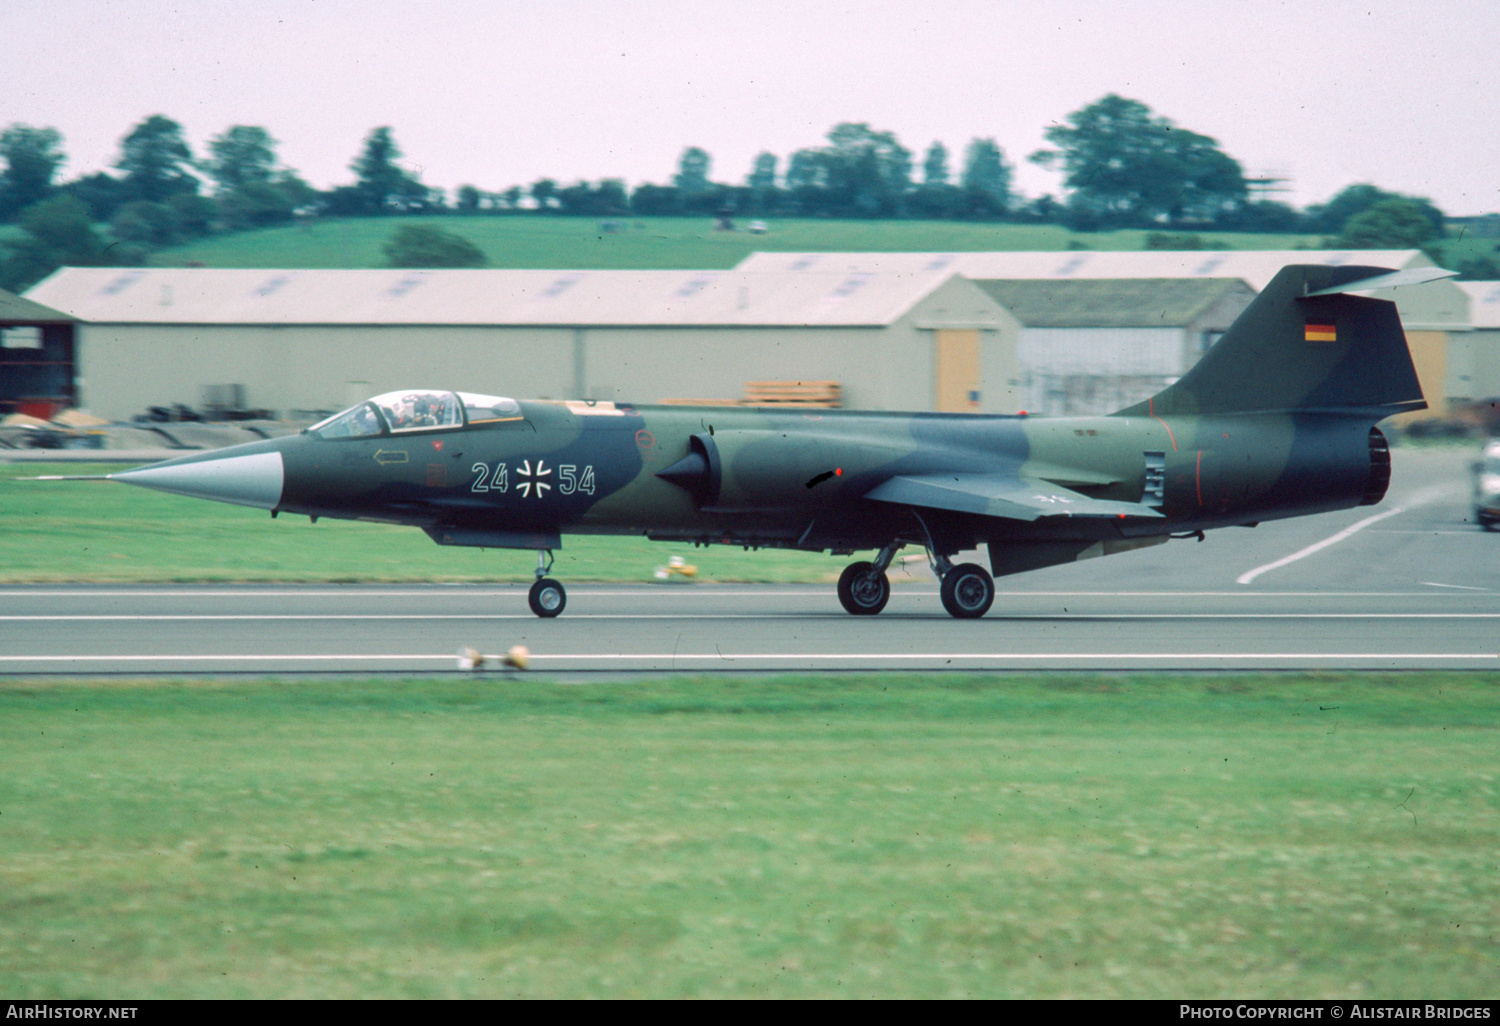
[
  {"x": 547, "y": 597},
  {"x": 968, "y": 591},
  {"x": 863, "y": 590}
]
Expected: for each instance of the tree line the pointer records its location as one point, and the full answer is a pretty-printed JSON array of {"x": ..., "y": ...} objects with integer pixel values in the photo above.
[{"x": 1122, "y": 165}]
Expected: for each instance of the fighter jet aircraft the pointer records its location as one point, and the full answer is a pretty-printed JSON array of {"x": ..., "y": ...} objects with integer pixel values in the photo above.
[{"x": 1276, "y": 420}]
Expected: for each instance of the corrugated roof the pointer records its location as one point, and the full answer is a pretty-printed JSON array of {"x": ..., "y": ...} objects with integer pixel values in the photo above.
[
  {"x": 1484, "y": 302},
  {"x": 1256, "y": 267},
  {"x": 1110, "y": 302},
  {"x": 14, "y": 308},
  {"x": 484, "y": 297}
]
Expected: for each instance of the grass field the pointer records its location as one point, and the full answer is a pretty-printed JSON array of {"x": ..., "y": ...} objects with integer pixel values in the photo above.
[
  {"x": 97, "y": 531},
  {"x": 890, "y": 836},
  {"x": 537, "y": 241}
]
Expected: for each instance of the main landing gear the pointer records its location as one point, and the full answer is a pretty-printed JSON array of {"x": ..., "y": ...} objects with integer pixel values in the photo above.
[
  {"x": 547, "y": 597},
  {"x": 967, "y": 590}
]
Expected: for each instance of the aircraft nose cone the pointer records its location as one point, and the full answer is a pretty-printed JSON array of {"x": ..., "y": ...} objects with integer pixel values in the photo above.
[{"x": 252, "y": 480}]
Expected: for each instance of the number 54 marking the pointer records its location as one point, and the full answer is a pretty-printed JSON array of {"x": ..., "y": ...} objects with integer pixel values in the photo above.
[{"x": 568, "y": 484}]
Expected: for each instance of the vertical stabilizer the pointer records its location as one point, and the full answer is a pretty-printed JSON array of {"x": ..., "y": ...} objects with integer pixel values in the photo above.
[{"x": 1306, "y": 344}]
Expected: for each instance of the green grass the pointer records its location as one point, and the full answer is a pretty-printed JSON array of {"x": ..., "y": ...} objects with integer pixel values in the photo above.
[
  {"x": 536, "y": 241},
  {"x": 894, "y": 836},
  {"x": 99, "y": 531}
]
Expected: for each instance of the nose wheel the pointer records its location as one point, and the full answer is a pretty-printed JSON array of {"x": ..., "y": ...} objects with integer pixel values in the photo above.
[
  {"x": 547, "y": 597},
  {"x": 864, "y": 590}
]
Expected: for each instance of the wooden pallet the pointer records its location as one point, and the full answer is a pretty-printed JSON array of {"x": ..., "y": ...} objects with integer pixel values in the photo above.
[{"x": 817, "y": 394}]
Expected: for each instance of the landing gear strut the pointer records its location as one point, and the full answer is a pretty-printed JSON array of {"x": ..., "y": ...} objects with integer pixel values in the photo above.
[
  {"x": 864, "y": 588},
  {"x": 547, "y": 597},
  {"x": 967, "y": 590}
]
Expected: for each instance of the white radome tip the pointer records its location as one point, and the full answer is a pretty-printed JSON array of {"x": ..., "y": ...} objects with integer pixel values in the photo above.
[{"x": 254, "y": 480}]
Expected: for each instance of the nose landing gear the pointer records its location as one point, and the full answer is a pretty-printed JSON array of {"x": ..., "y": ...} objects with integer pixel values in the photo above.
[
  {"x": 864, "y": 588},
  {"x": 547, "y": 597}
]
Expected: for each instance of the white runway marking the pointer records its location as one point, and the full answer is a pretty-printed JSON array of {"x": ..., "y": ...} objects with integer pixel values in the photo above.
[
  {"x": 729, "y": 657},
  {"x": 838, "y": 614},
  {"x": 439, "y": 591},
  {"x": 1421, "y": 497},
  {"x": 1247, "y": 577}
]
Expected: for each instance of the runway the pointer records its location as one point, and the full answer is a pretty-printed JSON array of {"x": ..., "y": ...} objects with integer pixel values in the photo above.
[{"x": 1409, "y": 584}]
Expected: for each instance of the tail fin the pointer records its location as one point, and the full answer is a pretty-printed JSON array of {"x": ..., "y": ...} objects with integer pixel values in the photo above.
[{"x": 1304, "y": 344}]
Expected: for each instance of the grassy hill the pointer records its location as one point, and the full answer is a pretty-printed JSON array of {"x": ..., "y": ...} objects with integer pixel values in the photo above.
[{"x": 537, "y": 241}]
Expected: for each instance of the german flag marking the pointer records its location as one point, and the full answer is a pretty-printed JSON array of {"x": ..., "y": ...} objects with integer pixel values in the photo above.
[{"x": 1320, "y": 333}]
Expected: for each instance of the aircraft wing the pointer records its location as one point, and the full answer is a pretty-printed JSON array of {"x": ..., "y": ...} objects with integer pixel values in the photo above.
[{"x": 1000, "y": 495}]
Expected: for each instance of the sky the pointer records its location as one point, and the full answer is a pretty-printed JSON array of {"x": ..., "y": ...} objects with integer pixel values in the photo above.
[{"x": 1326, "y": 93}]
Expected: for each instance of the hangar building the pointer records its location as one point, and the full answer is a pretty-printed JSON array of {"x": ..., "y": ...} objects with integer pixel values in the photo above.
[
  {"x": 1094, "y": 346},
  {"x": 1474, "y": 373},
  {"x": 36, "y": 358},
  {"x": 1432, "y": 313},
  {"x": 299, "y": 342}
]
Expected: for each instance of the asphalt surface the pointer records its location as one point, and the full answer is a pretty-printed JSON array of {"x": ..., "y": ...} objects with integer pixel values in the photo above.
[{"x": 1408, "y": 584}]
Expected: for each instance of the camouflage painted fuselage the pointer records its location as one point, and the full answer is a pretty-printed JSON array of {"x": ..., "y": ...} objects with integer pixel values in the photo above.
[{"x": 800, "y": 478}]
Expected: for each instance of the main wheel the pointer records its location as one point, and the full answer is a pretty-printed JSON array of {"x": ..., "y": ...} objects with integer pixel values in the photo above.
[
  {"x": 967, "y": 591},
  {"x": 863, "y": 590},
  {"x": 547, "y": 597}
]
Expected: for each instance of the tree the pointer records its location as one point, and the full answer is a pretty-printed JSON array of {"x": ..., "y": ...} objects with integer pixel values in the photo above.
[
  {"x": 1396, "y": 223},
  {"x": 156, "y": 161},
  {"x": 656, "y": 200},
  {"x": 867, "y": 173},
  {"x": 383, "y": 185},
  {"x": 692, "y": 171},
  {"x": 606, "y": 200},
  {"x": 762, "y": 177},
  {"x": 986, "y": 178},
  {"x": 543, "y": 190},
  {"x": 468, "y": 199},
  {"x": 148, "y": 225},
  {"x": 1264, "y": 216},
  {"x": 1356, "y": 199},
  {"x": 251, "y": 189},
  {"x": 32, "y": 157},
  {"x": 55, "y": 232},
  {"x": 935, "y": 165},
  {"x": 259, "y": 204},
  {"x": 1484, "y": 267},
  {"x": 421, "y": 245},
  {"x": 242, "y": 155},
  {"x": 1126, "y": 166},
  {"x": 761, "y": 184},
  {"x": 805, "y": 178},
  {"x": 101, "y": 193}
]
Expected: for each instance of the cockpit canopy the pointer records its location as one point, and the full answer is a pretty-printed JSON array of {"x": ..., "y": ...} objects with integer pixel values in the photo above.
[{"x": 416, "y": 409}]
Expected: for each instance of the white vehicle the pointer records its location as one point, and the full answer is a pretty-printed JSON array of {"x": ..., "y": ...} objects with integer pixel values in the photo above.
[{"x": 1487, "y": 487}]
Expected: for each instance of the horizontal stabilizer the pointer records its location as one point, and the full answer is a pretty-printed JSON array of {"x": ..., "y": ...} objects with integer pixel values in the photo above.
[
  {"x": 1410, "y": 276},
  {"x": 1000, "y": 495}
]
